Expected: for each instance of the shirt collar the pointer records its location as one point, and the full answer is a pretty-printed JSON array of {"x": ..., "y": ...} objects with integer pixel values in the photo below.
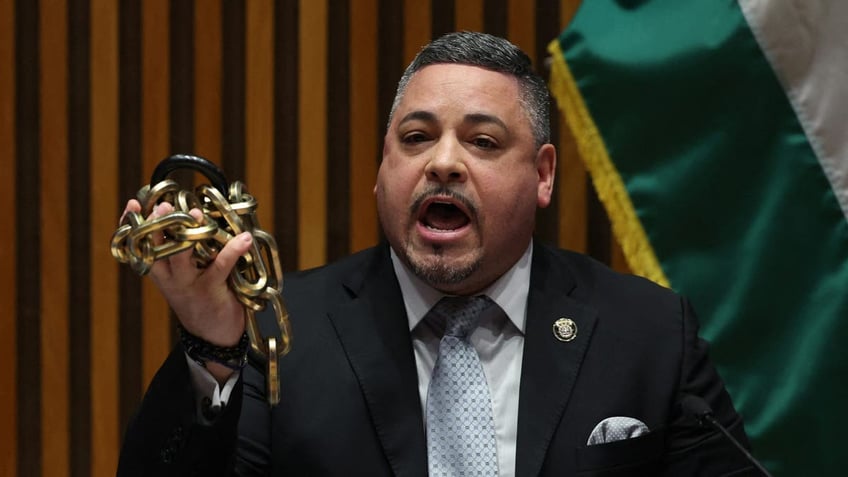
[{"x": 509, "y": 291}]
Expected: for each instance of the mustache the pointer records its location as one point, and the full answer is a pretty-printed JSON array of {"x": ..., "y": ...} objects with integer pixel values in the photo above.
[{"x": 442, "y": 191}]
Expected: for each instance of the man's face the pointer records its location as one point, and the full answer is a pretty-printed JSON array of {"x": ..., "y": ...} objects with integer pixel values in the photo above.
[{"x": 461, "y": 178}]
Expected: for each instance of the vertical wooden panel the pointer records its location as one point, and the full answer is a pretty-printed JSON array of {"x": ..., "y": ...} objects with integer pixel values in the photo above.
[
  {"x": 337, "y": 139},
  {"x": 469, "y": 15},
  {"x": 232, "y": 88},
  {"x": 598, "y": 241},
  {"x": 27, "y": 238},
  {"x": 568, "y": 8},
  {"x": 181, "y": 73},
  {"x": 54, "y": 251},
  {"x": 571, "y": 193},
  {"x": 364, "y": 139},
  {"x": 417, "y": 20},
  {"x": 312, "y": 159},
  {"x": 104, "y": 272},
  {"x": 155, "y": 127},
  {"x": 79, "y": 242},
  {"x": 8, "y": 262},
  {"x": 495, "y": 17},
  {"x": 390, "y": 53},
  {"x": 443, "y": 19},
  {"x": 618, "y": 261},
  {"x": 129, "y": 178},
  {"x": 259, "y": 112},
  {"x": 286, "y": 145},
  {"x": 521, "y": 25},
  {"x": 207, "y": 79}
]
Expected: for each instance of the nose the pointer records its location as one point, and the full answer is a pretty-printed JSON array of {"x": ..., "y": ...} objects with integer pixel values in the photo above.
[{"x": 446, "y": 163}]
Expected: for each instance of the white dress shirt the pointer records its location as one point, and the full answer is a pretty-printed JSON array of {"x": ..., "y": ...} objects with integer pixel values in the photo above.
[{"x": 498, "y": 339}]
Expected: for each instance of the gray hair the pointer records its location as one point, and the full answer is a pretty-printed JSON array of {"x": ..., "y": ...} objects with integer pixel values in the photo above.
[{"x": 492, "y": 53}]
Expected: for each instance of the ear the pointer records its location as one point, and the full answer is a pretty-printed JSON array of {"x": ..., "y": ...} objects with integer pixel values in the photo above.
[{"x": 546, "y": 168}]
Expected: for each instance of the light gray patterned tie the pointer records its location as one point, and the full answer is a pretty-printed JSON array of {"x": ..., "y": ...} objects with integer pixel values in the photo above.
[{"x": 460, "y": 427}]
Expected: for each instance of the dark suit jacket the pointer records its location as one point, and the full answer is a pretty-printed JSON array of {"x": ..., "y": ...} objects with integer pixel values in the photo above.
[{"x": 350, "y": 403}]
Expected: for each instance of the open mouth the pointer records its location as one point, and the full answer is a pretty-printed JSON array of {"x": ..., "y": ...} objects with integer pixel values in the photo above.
[{"x": 442, "y": 214}]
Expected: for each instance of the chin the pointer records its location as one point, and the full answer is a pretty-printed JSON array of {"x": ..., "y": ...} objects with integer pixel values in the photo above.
[{"x": 443, "y": 270}]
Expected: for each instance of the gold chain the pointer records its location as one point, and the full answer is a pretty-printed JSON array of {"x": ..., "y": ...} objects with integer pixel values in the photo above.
[{"x": 257, "y": 278}]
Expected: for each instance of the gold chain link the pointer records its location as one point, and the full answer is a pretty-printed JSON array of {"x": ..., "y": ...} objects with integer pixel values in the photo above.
[{"x": 257, "y": 278}]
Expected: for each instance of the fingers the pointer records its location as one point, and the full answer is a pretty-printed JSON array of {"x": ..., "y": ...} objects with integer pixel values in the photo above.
[
  {"x": 198, "y": 215},
  {"x": 220, "y": 268},
  {"x": 162, "y": 208},
  {"x": 185, "y": 260},
  {"x": 132, "y": 206},
  {"x": 201, "y": 297},
  {"x": 180, "y": 270},
  {"x": 161, "y": 269}
]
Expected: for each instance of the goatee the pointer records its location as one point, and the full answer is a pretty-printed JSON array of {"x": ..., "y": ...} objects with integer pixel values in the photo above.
[{"x": 437, "y": 271}]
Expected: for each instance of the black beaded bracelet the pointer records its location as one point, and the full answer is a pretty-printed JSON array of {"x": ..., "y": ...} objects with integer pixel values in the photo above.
[{"x": 202, "y": 351}]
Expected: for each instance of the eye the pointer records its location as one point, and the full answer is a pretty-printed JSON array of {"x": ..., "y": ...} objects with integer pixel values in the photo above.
[
  {"x": 414, "y": 137},
  {"x": 484, "y": 142}
]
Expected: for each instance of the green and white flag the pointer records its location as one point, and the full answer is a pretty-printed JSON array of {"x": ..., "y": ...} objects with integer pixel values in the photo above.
[{"x": 716, "y": 133}]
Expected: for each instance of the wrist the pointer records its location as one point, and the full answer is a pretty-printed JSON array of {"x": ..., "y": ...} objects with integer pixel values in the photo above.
[
  {"x": 224, "y": 328},
  {"x": 205, "y": 353}
]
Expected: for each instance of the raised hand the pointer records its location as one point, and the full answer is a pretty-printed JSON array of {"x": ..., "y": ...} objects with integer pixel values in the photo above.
[{"x": 200, "y": 296}]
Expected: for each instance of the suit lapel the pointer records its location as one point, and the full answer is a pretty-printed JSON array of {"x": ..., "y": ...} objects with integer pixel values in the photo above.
[
  {"x": 374, "y": 333},
  {"x": 550, "y": 366}
]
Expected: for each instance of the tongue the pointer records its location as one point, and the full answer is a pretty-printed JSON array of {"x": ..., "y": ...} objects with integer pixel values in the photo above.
[{"x": 444, "y": 217}]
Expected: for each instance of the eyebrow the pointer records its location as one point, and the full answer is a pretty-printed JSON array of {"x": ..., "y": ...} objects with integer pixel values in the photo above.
[
  {"x": 482, "y": 118},
  {"x": 475, "y": 118},
  {"x": 425, "y": 116}
]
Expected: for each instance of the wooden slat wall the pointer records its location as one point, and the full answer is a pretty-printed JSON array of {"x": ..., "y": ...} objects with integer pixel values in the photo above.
[
  {"x": 8, "y": 247},
  {"x": 104, "y": 181},
  {"x": 290, "y": 96},
  {"x": 53, "y": 190},
  {"x": 155, "y": 120}
]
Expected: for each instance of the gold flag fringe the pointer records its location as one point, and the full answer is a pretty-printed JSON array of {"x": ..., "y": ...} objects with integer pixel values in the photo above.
[{"x": 626, "y": 226}]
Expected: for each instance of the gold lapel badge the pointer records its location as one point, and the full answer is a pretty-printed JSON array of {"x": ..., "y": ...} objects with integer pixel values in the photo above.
[{"x": 565, "y": 329}]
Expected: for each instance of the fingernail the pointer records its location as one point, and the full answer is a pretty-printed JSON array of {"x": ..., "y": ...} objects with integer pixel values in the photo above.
[{"x": 245, "y": 236}]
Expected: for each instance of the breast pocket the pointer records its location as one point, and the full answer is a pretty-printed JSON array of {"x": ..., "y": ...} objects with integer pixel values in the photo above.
[{"x": 637, "y": 456}]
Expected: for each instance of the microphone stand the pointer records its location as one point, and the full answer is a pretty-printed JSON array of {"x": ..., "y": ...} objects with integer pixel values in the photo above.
[
  {"x": 712, "y": 420},
  {"x": 701, "y": 411}
]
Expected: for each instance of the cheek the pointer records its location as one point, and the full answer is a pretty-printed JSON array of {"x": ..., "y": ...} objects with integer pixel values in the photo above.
[
  {"x": 510, "y": 204},
  {"x": 398, "y": 179},
  {"x": 393, "y": 195}
]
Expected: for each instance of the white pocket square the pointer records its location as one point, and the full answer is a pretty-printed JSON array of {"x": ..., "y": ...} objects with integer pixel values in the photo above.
[{"x": 617, "y": 428}]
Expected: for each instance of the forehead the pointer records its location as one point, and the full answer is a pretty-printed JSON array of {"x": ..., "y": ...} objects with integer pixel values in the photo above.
[{"x": 465, "y": 88}]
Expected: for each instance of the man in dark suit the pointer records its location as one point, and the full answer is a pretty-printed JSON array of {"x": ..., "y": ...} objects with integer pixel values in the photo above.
[{"x": 563, "y": 342}]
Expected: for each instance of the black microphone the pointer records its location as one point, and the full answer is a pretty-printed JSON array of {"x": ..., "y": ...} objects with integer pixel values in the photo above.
[{"x": 700, "y": 410}]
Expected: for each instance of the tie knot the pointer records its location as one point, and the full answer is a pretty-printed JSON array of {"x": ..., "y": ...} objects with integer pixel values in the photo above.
[{"x": 461, "y": 313}]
